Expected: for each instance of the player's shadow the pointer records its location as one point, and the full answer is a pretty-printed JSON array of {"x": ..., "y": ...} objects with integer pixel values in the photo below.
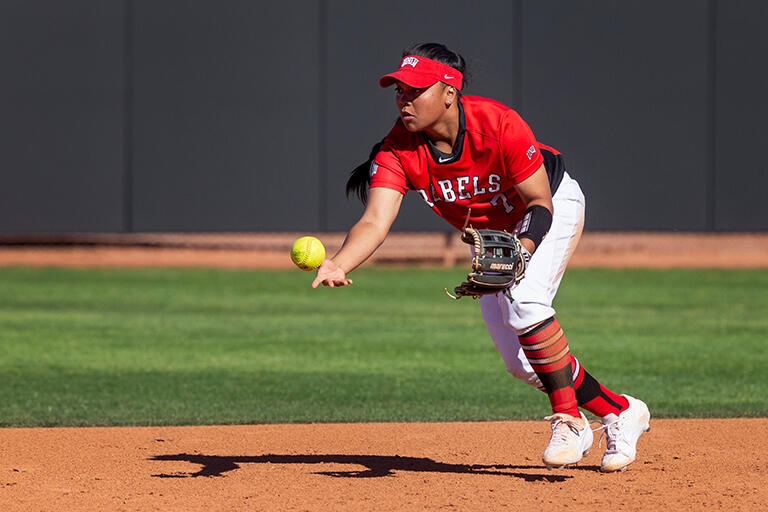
[{"x": 376, "y": 466}]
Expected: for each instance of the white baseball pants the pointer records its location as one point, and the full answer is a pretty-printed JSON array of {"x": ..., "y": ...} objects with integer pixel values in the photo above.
[{"x": 534, "y": 295}]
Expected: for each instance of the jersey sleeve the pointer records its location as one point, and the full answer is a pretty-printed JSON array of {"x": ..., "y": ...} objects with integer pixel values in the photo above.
[
  {"x": 387, "y": 171},
  {"x": 521, "y": 154}
]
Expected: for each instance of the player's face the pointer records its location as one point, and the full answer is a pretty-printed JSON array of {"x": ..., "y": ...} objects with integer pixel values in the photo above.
[{"x": 419, "y": 108}]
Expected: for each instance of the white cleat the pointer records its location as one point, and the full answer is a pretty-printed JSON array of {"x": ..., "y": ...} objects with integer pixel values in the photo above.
[
  {"x": 571, "y": 440},
  {"x": 622, "y": 435}
]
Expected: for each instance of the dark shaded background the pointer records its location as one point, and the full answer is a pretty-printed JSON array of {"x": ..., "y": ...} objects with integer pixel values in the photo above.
[{"x": 180, "y": 115}]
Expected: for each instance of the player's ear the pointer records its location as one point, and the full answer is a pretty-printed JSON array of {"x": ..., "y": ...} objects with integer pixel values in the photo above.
[{"x": 449, "y": 95}]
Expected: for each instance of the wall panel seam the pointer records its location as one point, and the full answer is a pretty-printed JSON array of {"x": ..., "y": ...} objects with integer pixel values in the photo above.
[
  {"x": 711, "y": 184},
  {"x": 128, "y": 120},
  {"x": 322, "y": 116}
]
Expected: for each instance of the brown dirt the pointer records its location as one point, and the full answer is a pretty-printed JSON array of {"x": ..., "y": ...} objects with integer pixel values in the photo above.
[
  {"x": 682, "y": 465},
  {"x": 270, "y": 250}
]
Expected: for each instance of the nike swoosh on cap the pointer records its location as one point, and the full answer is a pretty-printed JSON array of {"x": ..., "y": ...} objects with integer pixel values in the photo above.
[{"x": 448, "y": 77}]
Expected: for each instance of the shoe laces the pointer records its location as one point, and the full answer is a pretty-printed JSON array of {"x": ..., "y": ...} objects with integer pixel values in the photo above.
[
  {"x": 564, "y": 426},
  {"x": 611, "y": 431}
]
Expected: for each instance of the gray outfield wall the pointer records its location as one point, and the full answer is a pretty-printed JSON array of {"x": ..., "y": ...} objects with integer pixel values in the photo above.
[{"x": 238, "y": 115}]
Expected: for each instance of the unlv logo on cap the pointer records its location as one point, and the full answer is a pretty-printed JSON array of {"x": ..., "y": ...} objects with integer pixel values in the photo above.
[{"x": 409, "y": 61}]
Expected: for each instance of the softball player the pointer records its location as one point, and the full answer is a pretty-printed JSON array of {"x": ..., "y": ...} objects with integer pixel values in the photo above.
[{"x": 473, "y": 158}]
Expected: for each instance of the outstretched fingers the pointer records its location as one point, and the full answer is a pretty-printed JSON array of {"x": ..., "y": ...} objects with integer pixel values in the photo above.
[
  {"x": 331, "y": 283},
  {"x": 331, "y": 275}
]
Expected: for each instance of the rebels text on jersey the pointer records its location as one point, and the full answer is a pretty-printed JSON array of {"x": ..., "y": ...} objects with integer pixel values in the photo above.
[{"x": 497, "y": 152}]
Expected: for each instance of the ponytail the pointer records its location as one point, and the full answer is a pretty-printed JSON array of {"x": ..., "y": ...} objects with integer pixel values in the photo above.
[{"x": 360, "y": 178}]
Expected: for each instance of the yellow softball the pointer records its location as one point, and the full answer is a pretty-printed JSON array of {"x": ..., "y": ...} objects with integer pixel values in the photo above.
[{"x": 307, "y": 253}]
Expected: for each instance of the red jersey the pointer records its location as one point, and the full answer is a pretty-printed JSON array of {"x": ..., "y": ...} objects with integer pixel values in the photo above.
[{"x": 495, "y": 151}]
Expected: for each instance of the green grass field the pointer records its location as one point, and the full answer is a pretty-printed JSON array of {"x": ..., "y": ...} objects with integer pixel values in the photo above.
[{"x": 173, "y": 346}]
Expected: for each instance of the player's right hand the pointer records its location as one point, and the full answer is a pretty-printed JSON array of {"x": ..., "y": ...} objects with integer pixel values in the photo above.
[{"x": 331, "y": 275}]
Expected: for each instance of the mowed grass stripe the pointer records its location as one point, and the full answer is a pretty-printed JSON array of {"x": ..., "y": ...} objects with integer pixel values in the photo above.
[{"x": 200, "y": 346}]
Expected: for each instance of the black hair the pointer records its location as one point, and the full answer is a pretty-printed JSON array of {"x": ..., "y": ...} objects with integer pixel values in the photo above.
[
  {"x": 440, "y": 53},
  {"x": 360, "y": 178}
]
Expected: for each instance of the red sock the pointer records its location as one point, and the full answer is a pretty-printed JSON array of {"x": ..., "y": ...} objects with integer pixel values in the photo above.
[
  {"x": 593, "y": 396},
  {"x": 546, "y": 348}
]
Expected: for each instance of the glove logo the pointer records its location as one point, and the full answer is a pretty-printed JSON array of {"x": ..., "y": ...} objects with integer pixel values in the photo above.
[{"x": 498, "y": 266}]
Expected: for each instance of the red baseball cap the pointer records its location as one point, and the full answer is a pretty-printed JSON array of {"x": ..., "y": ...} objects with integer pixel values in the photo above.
[{"x": 422, "y": 72}]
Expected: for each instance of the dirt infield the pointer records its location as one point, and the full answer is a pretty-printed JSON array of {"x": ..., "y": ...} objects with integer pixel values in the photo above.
[
  {"x": 270, "y": 250},
  {"x": 682, "y": 465}
]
